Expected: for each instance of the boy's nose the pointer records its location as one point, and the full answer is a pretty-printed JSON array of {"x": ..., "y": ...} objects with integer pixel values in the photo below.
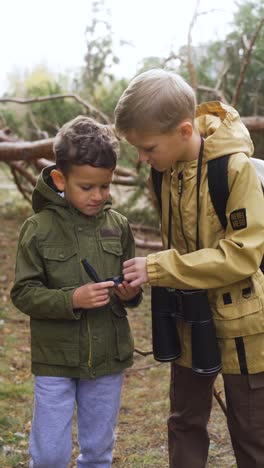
[{"x": 97, "y": 194}]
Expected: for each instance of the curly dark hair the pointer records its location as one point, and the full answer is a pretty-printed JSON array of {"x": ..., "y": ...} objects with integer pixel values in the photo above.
[{"x": 85, "y": 141}]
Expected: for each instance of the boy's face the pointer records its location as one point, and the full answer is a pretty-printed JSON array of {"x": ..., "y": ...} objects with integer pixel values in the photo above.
[
  {"x": 85, "y": 187},
  {"x": 159, "y": 150}
]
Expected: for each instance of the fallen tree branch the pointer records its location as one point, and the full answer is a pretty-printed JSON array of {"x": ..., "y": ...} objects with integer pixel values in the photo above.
[
  {"x": 26, "y": 151},
  {"x": 254, "y": 123},
  {"x": 151, "y": 245},
  {"x": 91, "y": 109},
  {"x": 121, "y": 180}
]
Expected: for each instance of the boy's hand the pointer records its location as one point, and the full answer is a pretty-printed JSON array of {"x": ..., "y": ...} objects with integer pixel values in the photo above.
[
  {"x": 126, "y": 292},
  {"x": 135, "y": 271},
  {"x": 92, "y": 295}
]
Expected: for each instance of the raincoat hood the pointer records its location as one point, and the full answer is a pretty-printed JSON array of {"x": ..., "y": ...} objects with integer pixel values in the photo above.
[
  {"x": 222, "y": 129},
  {"x": 47, "y": 196}
]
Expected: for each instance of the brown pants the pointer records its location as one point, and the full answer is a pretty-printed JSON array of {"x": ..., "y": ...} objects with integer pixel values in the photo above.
[{"x": 191, "y": 402}]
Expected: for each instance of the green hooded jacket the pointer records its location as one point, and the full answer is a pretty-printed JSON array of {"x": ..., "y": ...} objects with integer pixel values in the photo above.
[{"x": 67, "y": 342}]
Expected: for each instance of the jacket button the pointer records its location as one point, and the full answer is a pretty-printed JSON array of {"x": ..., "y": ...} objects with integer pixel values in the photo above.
[
  {"x": 80, "y": 229},
  {"x": 61, "y": 255}
]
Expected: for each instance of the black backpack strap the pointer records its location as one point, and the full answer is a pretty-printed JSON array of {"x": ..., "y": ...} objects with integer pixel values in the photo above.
[
  {"x": 218, "y": 186},
  {"x": 157, "y": 182}
]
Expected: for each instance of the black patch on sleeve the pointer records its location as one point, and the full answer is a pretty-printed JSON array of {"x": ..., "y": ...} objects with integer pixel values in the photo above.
[{"x": 238, "y": 219}]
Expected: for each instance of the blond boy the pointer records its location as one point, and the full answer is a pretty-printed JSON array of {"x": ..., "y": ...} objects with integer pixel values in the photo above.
[{"x": 157, "y": 114}]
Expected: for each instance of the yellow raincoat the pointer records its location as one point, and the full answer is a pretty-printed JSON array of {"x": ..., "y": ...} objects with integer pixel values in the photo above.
[{"x": 227, "y": 262}]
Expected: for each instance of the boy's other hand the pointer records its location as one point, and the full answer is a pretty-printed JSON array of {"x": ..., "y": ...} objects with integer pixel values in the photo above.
[
  {"x": 135, "y": 271},
  {"x": 126, "y": 292},
  {"x": 92, "y": 295}
]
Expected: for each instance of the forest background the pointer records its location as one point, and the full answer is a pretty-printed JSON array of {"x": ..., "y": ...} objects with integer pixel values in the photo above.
[{"x": 32, "y": 109}]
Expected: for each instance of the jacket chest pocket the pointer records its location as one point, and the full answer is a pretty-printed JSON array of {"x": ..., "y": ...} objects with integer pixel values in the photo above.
[
  {"x": 112, "y": 252},
  {"x": 61, "y": 265}
]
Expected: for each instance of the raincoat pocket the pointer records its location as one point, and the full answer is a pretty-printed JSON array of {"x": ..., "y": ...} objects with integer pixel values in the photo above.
[{"x": 240, "y": 319}]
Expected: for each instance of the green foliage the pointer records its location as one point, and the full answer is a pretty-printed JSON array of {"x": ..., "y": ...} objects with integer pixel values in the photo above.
[
  {"x": 108, "y": 94},
  {"x": 49, "y": 116},
  {"x": 128, "y": 155},
  {"x": 39, "y": 119}
]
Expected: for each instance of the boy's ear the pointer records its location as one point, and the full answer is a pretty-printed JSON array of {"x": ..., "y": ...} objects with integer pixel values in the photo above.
[
  {"x": 58, "y": 179},
  {"x": 186, "y": 129}
]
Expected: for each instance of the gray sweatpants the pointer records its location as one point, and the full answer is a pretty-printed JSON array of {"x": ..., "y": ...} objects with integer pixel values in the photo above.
[{"x": 97, "y": 402}]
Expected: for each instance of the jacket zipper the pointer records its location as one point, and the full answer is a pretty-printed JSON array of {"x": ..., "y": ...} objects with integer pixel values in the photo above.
[
  {"x": 180, "y": 192},
  {"x": 90, "y": 345}
]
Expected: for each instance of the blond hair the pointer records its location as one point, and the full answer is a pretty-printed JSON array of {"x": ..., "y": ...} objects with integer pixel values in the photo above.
[{"x": 157, "y": 101}]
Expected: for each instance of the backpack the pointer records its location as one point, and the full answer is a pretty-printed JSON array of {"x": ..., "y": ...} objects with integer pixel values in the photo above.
[{"x": 218, "y": 185}]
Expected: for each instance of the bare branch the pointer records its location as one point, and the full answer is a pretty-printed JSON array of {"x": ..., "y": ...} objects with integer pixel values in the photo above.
[
  {"x": 217, "y": 92},
  {"x": 17, "y": 166},
  {"x": 40, "y": 133},
  {"x": 222, "y": 74},
  {"x": 218, "y": 398},
  {"x": 245, "y": 63},
  {"x": 91, "y": 109},
  {"x": 174, "y": 56},
  {"x": 19, "y": 185}
]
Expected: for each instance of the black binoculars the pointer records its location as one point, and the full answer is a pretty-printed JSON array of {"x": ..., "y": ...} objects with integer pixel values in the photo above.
[{"x": 192, "y": 306}]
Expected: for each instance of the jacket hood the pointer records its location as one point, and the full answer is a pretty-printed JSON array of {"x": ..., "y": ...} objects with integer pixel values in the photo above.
[
  {"x": 46, "y": 195},
  {"x": 222, "y": 129}
]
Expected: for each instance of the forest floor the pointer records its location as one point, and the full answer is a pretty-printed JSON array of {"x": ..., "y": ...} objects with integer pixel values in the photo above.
[{"x": 142, "y": 431}]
